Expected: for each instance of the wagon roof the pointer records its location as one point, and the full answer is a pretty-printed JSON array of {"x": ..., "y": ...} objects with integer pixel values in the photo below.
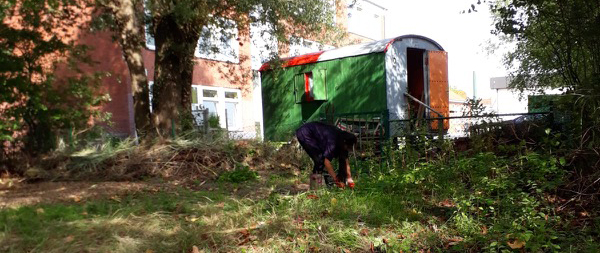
[{"x": 347, "y": 51}]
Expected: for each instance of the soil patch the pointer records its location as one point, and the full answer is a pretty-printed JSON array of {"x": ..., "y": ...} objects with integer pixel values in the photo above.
[{"x": 21, "y": 193}]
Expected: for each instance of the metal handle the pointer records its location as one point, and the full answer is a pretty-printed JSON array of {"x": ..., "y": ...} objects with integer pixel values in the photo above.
[
  {"x": 423, "y": 104},
  {"x": 440, "y": 122}
]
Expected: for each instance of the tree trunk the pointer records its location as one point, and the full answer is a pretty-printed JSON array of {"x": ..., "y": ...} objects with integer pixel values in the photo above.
[
  {"x": 175, "y": 47},
  {"x": 131, "y": 37}
]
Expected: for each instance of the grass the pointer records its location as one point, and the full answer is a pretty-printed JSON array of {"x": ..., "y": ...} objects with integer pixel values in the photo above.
[
  {"x": 224, "y": 219},
  {"x": 221, "y": 221},
  {"x": 230, "y": 218},
  {"x": 459, "y": 203}
]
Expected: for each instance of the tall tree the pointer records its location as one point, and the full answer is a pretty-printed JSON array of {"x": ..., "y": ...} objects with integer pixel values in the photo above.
[
  {"x": 126, "y": 19},
  {"x": 557, "y": 47},
  {"x": 177, "y": 27}
]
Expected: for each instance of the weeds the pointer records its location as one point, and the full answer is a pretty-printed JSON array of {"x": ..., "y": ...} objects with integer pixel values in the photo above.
[
  {"x": 415, "y": 198},
  {"x": 238, "y": 175}
]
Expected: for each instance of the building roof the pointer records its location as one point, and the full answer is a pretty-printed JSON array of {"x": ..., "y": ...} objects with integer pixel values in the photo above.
[{"x": 347, "y": 51}]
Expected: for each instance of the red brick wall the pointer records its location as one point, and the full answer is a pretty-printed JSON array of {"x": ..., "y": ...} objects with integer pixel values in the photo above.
[{"x": 109, "y": 56}]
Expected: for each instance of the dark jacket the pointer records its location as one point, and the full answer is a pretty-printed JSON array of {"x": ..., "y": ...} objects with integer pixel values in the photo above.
[{"x": 326, "y": 139}]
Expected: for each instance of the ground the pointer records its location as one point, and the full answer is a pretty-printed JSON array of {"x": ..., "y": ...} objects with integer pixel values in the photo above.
[
  {"x": 24, "y": 194},
  {"x": 199, "y": 200},
  {"x": 273, "y": 212},
  {"x": 153, "y": 215}
]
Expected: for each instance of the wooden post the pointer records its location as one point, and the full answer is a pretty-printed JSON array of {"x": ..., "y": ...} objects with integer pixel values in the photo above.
[
  {"x": 173, "y": 128},
  {"x": 71, "y": 137},
  {"x": 205, "y": 121},
  {"x": 440, "y": 130}
]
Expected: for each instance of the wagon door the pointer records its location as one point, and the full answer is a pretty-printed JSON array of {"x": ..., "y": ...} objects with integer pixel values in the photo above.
[{"x": 438, "y": 86}]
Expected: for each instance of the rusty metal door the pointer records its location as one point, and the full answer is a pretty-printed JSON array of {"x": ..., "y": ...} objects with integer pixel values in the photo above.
[{"x": 438, "y": 87}]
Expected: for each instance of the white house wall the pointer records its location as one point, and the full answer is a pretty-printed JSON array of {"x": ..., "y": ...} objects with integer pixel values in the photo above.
[
  {"x": 257, "y": 103},
  {"x": 508, "y": 101}
]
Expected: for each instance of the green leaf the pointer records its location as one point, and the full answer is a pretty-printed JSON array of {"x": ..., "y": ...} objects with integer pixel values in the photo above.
[{"x": 562, "y": 161}]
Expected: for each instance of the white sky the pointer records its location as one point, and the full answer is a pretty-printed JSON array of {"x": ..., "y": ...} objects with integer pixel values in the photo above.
[{"x": 463, "y": 36}]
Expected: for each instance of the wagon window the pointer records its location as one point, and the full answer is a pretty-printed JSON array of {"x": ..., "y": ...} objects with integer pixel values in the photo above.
[
  {"x": 310, "y": 86},
  {"x": 302, "y": 87},
  {"x": 319, "y": 88}
]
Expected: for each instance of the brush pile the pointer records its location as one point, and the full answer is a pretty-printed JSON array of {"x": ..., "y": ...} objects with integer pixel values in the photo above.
[{"x": 179, "y": 159}]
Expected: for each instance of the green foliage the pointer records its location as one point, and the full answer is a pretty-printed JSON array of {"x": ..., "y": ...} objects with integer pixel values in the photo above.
[
  {"x": 556, "y": 47},
  {"x": 502, "y": 192},
  {"x": 239, "y": 175},
  {"x": 37, "y": 102},
  {"x": 473, "y": 107},
  {"x": 214, "y": 121},
  {"x": 313, "y": 16}
]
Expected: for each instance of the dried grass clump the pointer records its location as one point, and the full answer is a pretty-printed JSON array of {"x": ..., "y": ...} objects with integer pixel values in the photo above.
[{"x": 182, "y": 158}]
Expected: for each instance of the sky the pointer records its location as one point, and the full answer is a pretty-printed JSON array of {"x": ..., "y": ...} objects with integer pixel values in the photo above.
[{"x": 464, "y": 36}]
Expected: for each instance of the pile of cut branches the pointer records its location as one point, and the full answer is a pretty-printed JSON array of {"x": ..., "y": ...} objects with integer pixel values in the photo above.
[{"x": 183, "y": 159}]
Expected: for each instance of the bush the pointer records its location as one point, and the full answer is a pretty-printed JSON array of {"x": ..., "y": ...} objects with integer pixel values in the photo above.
[{"x": 38, "y": 104}]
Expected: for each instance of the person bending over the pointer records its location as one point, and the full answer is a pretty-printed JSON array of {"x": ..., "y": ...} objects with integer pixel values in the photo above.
[{"x": 323, "y": 143}]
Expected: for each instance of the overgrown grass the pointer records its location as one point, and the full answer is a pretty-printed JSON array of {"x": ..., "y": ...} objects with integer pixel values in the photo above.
[
  {"x": 443, "y": 202},
  {"x": 464, "y": 204}
]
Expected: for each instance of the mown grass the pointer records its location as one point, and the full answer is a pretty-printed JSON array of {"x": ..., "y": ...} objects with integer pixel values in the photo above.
[{"x": 213, "y": 221}]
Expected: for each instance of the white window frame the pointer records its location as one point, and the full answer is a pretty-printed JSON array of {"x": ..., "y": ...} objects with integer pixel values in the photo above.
[
  {"x": 150, "y": 42},
  {"x": 226, "y": 51},
  {"x": 150, "y": 95},
  {"x": 220, "y": 104},
  {"x": 366, "y": 19},
  {"x": 237, "y": 100}
]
